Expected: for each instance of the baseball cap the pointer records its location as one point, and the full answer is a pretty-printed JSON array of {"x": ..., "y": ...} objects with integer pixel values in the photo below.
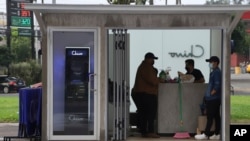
[
  {"x": 150, "y": 55},
  {"x": 213, "y": 59}
]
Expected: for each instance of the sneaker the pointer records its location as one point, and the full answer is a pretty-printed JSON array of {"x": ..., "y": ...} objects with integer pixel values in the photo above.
[
  {"x": 215, "y": 137},
  {"x": 201, "y": 137}
]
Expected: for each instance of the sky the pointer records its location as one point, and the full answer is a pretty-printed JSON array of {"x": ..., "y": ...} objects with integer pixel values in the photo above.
[{"x": 156, "y": 2}]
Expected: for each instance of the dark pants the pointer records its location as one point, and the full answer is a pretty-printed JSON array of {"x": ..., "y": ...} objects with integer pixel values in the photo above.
[
  {"x": 146, "y": 109},
  {"x": 213, "y": 113}
]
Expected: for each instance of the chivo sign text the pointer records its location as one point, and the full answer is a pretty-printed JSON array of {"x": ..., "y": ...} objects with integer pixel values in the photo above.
[{"x": 192, "y": 53}]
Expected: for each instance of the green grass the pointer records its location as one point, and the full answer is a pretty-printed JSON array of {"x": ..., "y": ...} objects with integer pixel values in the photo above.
[
  {"x": 9, "y": 108},
  {"x": 240, "y": 109}
]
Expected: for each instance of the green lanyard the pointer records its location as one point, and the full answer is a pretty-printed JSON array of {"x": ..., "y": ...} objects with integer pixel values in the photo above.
[{"x": 180, "y": 97}]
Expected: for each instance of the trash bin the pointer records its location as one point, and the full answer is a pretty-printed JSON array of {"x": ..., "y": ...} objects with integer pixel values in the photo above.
[
  {"x": 248, "y": 68},
  {"x": 243, "y": 69},
  {"x": 237, "y": 70}
]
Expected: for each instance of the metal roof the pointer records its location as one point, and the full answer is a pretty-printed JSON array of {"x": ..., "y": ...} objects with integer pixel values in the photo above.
[
  {"x": 40, "y": 9},
  {"x": 136, "y": 9}
]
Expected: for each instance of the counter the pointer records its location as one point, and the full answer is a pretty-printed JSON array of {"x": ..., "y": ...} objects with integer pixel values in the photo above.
[{"x": 168, "y": 107}]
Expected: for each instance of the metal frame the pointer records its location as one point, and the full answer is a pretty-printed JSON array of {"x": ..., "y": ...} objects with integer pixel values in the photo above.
[
  {"x": 135, "y": 9},
  {"x": 120, "y": 85},
  {"x": 50, "y": 85}
]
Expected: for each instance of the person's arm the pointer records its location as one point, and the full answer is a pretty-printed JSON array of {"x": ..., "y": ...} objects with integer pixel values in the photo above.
[
  {"x": 201, "y": 80},
  {"x": 148, "y": 74},
  {"x": 200, "y": 76},
  {"x": 217, "y": 82}
]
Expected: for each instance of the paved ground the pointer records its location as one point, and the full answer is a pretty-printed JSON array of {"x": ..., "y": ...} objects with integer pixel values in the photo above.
[
  {"x": 8, "y": 129},
  {"x": 240, "y": 82}
]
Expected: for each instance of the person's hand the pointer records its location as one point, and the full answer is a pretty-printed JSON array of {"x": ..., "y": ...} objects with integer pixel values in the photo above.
[
  {"x": 180, "y": 73},
  {"x": 162, "y": 80},
  {"x": 213, "y": 92}
]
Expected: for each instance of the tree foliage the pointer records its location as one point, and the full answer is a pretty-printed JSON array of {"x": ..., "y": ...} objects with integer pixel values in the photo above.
[
  {"x": 239, "y": 35},
  {"x": 137, "y": 2},
  {"x": 19, "y": 51},
  {"x": 5, "y": 56},
  {"x": 30, "y": 71},
  {"x": 227, "y": 1},
  {"x": 213, "y": 2},
  {"x": 20, "y": 48},
  {"x": 241, "y": 39},
  {"x": 120, "y": 1}
]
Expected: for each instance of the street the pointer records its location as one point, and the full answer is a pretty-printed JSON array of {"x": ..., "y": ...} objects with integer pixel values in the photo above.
[
  {"x": 9, "y": 94},
  {"x": 241, "y": 83}
]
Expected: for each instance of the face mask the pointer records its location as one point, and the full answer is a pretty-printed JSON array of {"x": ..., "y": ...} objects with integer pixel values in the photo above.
[{"x": 210, "y": 65}]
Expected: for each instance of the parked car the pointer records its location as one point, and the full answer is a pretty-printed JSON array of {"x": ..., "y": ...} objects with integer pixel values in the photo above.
[{"x": 11, "y": 84}]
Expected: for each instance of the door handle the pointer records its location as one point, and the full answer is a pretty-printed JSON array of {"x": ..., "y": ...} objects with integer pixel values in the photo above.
[{"x": 92, "y": 77}]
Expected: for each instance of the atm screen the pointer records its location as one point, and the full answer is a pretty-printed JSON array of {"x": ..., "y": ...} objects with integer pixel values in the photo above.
[
  {"x": 77, "y": 91},
  {"x": 77, "y": 72}
]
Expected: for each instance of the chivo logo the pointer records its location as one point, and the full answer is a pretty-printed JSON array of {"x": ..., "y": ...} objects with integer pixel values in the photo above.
[
  {"x": 75, "y": 53},
  {"x": 74, "y": 117},
  {"x": 191, "y": 53}
]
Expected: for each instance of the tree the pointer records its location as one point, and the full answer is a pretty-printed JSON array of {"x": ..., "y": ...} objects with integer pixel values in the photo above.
[
  {"x": 239, "y": 35},
  {"x": 212, "y": 2},
  {"x": 238, "y": 1},
  {"x": 137, "y": 2},
  {"x": 178, "y": 2},
  {"x": 240, "y": 38},
  {"x": 151, "y": 2},
  {"x": 5, "y": 56},
  {"x": 226, "y": 1},
  {"x": 140, "y": 2},
  {"x": 120, "y": 1},
  {"x": 21, "y": 48}
]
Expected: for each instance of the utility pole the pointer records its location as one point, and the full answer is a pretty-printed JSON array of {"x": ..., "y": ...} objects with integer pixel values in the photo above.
[
  {"x": 151, "y": 2},
  {"x": 178, "y": 2},
  {"x": 8, "y": 32},
  {"x": 32, "y": 40}
]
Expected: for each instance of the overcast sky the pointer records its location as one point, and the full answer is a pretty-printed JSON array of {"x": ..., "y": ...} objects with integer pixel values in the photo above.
[{"x": 157, "y": 2}]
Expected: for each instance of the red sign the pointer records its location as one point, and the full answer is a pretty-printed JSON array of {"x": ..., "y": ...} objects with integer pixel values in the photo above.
[
  {"x": 246, "y": 15},
  {"x": 25, "y": 13}
]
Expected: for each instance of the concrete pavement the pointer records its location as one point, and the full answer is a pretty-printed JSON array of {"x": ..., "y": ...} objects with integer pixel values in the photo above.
[
  {"x": 8, "y": 129},
  {"x": 241, "y": 83}
]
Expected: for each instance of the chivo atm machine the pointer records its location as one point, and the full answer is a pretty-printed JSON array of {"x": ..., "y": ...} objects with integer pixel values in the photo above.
[{"x": 77, "y": 108}]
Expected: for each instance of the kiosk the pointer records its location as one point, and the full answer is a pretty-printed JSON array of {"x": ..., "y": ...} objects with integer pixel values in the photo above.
[{"x": 86, "y": 26}]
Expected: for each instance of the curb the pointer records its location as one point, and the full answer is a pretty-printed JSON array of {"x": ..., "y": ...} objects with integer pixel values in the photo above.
[{"x": 8, "y": 124}]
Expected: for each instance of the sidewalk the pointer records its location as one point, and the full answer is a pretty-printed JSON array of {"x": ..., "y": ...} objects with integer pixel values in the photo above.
[
  {"x": 8, "y": 129},
  {"x": 242, "y": 76},
  {"x": 240, "y": 83}
]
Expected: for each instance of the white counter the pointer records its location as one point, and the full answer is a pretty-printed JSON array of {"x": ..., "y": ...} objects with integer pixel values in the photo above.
[{"x": 168, "y": 107}]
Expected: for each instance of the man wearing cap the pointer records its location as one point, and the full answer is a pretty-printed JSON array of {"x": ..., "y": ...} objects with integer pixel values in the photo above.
[
  {"x": 145, "y": 95},
  {"x": 199, "y": 78},
  {"x": 213, "y": 100}
]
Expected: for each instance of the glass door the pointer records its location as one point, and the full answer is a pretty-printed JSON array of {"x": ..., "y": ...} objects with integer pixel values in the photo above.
[{"x": 73, "y": 99}]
